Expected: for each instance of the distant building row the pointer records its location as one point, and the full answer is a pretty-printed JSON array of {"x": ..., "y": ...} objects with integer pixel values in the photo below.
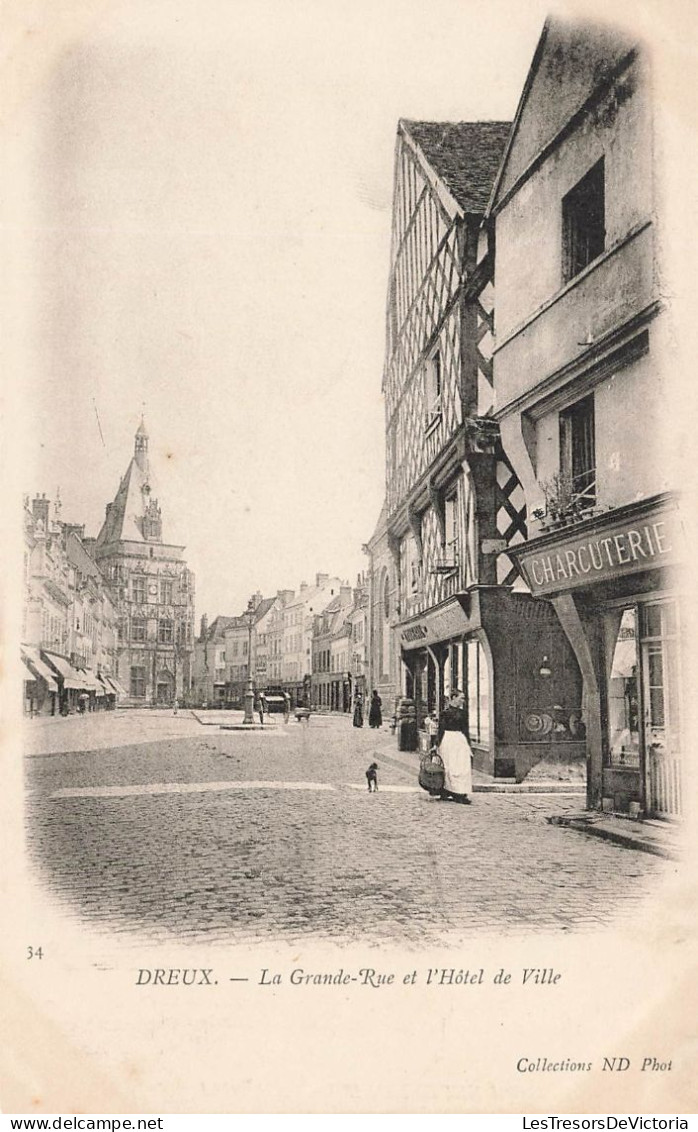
[{"x": 311, "y": 643}]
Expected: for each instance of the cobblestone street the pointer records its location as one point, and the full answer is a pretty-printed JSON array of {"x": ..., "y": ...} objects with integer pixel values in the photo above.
[{"x": 153, "y": 823}]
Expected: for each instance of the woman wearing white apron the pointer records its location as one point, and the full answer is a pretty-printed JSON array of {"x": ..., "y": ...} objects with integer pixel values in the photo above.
[{"x": 455, "y": 752}]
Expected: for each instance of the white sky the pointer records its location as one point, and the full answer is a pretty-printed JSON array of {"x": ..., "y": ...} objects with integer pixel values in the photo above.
[{"x": 206, "y": 192}]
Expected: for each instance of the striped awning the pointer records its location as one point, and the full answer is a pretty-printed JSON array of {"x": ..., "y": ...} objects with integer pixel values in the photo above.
[{"x": 31, "y": 657}]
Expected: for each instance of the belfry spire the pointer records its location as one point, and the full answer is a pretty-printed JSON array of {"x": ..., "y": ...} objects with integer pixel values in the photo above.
[{"x": 141, "y": 447}]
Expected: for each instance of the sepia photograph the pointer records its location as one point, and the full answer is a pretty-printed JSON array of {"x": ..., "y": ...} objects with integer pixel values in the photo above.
[{"x": 346, "y": 616}]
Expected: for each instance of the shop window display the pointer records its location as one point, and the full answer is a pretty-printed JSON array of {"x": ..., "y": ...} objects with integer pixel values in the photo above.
[{"x": 623, "y": 701}]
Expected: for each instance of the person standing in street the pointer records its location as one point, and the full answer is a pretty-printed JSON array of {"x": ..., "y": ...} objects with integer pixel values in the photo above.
[
  {"x": 358, "y": 711},
  {"x": 455, "y": 751},
  {"x": 375, "y": 716},
  {"x": 287, "y": 707},
  {"x": 262, "y": 705}
]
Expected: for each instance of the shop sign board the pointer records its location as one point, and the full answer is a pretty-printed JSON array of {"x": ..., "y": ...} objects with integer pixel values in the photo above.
[
  {"x": 440, "y": 625},
  {"x": 627, "y": 546}
]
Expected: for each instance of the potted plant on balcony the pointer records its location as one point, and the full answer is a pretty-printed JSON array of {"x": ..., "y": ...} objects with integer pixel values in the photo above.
[{"x": 559, "y": 502}]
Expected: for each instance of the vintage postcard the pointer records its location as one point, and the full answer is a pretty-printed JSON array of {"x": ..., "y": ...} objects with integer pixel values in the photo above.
[{"x": 347, "y": 615}]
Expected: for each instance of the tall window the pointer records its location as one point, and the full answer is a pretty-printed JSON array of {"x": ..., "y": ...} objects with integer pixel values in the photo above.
[
  {"x": 660, "y": 655},
  {"x": 432, "y": 382},
  {"x": 138, "y": 681},
  {"x": 138, "y": 590},
  {"x": 451, "y": 528},
  {"x": 165, "y": 592},
  {"x": 165, "y": 632},
  {"x": 578, "y": 448},
  {"x": 583, "y": 222},
  {"x": 138, "y": 629}
]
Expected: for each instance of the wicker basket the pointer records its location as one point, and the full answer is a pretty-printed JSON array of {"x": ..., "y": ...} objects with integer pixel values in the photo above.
[{"x": 431, "y": 773}]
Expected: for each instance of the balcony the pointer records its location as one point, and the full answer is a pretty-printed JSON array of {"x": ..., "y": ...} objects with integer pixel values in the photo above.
[{"x": 568, "y": 500}]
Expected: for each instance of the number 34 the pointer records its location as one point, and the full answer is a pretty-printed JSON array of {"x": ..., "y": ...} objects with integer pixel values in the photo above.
[{"x": 35, "y": 953}]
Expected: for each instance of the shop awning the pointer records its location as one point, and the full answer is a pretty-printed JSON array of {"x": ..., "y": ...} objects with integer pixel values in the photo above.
[
  {"x": 70, "y": 676},
  {"x": 89, "y": 680},
  {"x": 116, "y": 685},
  {"x": 31, "y": 656},
  {"x": 102, "y": 687},
  {"x": 26, "y": 672}
]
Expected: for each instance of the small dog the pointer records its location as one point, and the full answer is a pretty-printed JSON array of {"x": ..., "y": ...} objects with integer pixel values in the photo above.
[{"x": 372, "y": 778}]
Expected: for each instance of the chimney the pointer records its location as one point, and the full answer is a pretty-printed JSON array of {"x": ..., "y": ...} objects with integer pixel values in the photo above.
[
  {"x": 285, "y": 596},
  {"x": 40, "y": 507},
  {"x": 345, "y": 594},
  {"x": 320, "y": 579},
  {"x": 204, "y": 626},
  {"x": 303, "y": 587}
]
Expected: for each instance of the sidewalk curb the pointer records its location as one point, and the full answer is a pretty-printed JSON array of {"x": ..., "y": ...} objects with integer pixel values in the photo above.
[
  {"x": 409, "y": 761},
  {"x": 628, "y": 839}
]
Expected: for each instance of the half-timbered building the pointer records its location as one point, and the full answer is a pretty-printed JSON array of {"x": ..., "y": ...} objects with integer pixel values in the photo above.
[{"x": 454, "y": 503}]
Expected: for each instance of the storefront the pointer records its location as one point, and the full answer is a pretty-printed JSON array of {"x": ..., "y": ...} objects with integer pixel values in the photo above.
[
  {"x": 611, "y": 582},
  {"x": 70, "y": 681},
  {"x": 507, "y": 653},
  {"x": 41, "y": 689}
]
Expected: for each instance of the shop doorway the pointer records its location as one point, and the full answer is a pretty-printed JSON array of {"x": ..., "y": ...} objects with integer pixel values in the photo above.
[{"x": 661, "y": 708}]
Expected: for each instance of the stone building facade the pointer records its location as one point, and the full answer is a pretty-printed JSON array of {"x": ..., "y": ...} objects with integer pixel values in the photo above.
[{"x": 152, "y": 589}]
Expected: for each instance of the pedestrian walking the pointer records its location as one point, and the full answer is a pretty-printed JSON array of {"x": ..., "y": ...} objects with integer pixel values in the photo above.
[
  {"x": 262, "y": 705},
  {"x": 372, "y": 778},
  {"x": 287, "y": 707},
  {"x": 375, "y": 716},
  {"x": 455, "y": 751},
  {"x": 175, "y": 707},
  {"x": 358, "y": 711}
]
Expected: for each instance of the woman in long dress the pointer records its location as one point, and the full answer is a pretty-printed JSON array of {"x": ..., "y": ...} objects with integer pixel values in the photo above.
[
  {"x": 375, "y": 715},
  {"x": 455, "y": 751},
  {"x": 359, "y": 711}
]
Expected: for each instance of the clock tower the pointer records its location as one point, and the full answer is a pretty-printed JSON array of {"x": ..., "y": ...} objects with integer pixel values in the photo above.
[{"x": 152, "y": 589}]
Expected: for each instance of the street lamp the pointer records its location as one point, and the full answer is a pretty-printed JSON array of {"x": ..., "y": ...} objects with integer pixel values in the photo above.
[{"x": 249, "y": 694}]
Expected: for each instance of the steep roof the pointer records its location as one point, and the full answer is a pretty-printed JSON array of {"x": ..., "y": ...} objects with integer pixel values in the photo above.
[
  {"x": 133, "y": 503},
  {"x": 219, "y": 625},
  {"x": 121, "y": 520},
  {"x": 464, "y": 155},
  {"x": 78, "y": 556},
  {"x": 572, "y": 60},
  {"x": 263, "y": 607}
]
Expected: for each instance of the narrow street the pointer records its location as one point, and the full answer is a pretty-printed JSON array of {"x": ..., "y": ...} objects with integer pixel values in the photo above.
[{"x": 142, "y": 821}]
